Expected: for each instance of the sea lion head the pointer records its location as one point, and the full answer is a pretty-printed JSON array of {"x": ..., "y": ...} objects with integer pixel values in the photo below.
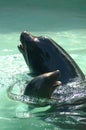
[
  {"x": 37, "y": 52},
  {"x": 43, "y": 86}
]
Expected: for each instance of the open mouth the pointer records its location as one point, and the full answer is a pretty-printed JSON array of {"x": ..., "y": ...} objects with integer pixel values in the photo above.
[
  {"x": 54, "y": 76},
  {"x": 23, "y": 37},
  {"x": 20, "y": 47},
  {"x": 57, "y": 83}
]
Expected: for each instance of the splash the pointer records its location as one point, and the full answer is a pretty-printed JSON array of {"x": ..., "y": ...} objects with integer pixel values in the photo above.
[{"x": 72, "y": 94}]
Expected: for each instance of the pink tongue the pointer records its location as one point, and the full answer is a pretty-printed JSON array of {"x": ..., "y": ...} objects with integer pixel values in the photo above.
[{"x": 57, "y": 83}]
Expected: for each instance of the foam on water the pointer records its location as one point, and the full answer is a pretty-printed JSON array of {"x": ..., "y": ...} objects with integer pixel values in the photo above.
[{"x": 10, "y": 68}]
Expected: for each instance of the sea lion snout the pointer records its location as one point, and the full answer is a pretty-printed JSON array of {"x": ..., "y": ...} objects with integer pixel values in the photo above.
[{"x": 25, "y": 37}]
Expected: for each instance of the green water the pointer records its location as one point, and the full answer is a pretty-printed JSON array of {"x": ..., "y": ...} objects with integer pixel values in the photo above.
[{"x": 62, "y": 20}]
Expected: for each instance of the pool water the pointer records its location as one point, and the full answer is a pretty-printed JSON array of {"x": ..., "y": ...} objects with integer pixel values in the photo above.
[{"x": 65, "y": 22}]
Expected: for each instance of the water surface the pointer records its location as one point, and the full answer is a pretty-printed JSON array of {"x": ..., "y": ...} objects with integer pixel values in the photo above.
[{"x": 63, "y": 21}]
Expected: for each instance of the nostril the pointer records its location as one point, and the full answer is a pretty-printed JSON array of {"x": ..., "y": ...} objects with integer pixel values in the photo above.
[
  {"x": 24, "y": 34},
  {"x": 24, "y": 31}
]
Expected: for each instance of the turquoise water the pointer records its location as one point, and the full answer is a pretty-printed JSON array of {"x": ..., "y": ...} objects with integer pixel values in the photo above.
[{"x": 62, "y": 20}]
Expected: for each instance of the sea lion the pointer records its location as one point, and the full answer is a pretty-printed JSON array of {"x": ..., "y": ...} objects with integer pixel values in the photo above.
[
  {"x": 40, "y": 87},
  {"x": 43, "y": 86},
  {"x": 42, "y": 55}
]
